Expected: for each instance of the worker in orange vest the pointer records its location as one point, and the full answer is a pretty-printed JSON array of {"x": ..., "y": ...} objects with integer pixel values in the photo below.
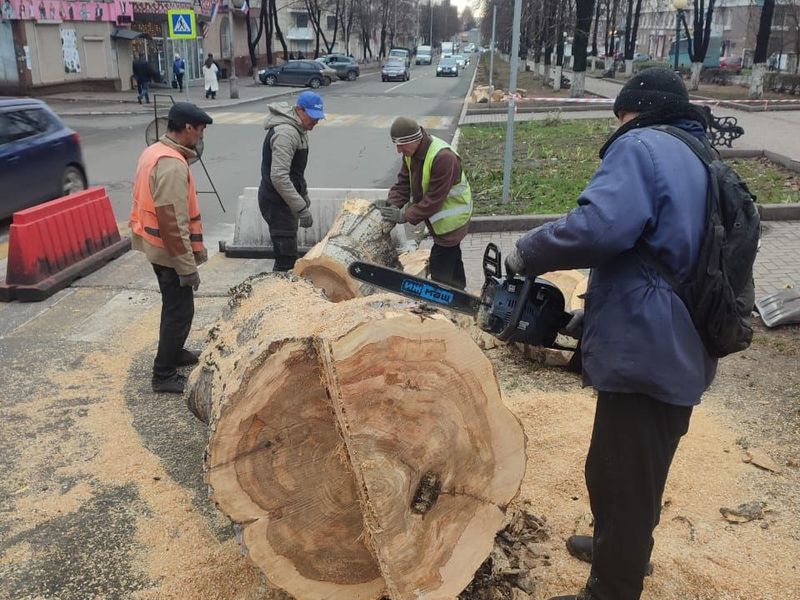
[{"x": 166, "y": 225}]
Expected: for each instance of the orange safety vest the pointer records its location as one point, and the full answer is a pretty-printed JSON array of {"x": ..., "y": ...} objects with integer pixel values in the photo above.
[{"x": 144, "y": 222}]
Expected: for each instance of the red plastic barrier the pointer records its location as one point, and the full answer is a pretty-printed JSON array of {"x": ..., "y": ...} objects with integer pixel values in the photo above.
[{"x": 52, "y": 244}]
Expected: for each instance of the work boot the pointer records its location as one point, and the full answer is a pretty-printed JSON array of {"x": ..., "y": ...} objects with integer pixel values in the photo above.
[
  {"x": 187, "y": 358},
  {"x": 580, "y": 546},
  {"x": 169, "y": 385}
]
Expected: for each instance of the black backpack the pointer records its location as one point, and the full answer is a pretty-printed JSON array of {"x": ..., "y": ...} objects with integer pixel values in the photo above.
[{"x": 719, "y": 293}]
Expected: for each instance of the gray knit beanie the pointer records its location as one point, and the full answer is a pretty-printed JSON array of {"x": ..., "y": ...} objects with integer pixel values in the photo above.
[{"x": 405, "y": 130}]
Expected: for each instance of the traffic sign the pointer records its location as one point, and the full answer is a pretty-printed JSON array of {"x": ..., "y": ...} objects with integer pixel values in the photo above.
[{"x": 182, "y": 24}]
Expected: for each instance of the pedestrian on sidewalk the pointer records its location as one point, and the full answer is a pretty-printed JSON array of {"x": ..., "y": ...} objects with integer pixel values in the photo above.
[
  {"x": 211, "y": 82},
  {"x": 166, "y": 225},
  {"x": 144, "y": 74},
  {"x": 179, "y": 68},
  {"x": 283, "y": 192},
  {"x": 641, "y": 350},
  {"x": 432, "y": 187}
]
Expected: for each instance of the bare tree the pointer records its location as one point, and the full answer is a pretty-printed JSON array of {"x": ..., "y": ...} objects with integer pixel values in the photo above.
[
  {"x": 631, "y": 31},
  {"x": 698, "y": 44},
  {"x": 583, "y": 22},
  {"x": 254, "y": 37},
  {"x": 273, "y": 12},
  {"x": 760, "y": 53}
]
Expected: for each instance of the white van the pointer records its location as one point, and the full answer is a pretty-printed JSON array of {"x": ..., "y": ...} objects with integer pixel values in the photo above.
[{"x": 424, "y": 55}]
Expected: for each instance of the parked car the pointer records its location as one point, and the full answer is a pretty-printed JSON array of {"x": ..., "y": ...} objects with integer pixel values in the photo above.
[
  {"x": 447, "y": 67},
  {"x": 346, "y": 67},
  {"x": 641, "y": 57},
  {"x": 395, "y": 69},
  {"x": 298, "y": 72},
  {"x": 40, "y": 157},
  {"x": 461, "y": 60},
  {"x": 731, "y": 63}
]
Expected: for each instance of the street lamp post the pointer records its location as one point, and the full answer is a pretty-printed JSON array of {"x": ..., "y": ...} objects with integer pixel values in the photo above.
[
  {"x": 679, "y": 6},
  {"x": 233, "y": 4}
]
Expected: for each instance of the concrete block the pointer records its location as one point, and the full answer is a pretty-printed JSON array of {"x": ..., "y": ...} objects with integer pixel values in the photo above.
[{"x": 251, "y": 235}]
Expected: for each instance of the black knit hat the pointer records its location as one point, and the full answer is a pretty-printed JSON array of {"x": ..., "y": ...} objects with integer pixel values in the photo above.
[{"x": 653, "y": 89}]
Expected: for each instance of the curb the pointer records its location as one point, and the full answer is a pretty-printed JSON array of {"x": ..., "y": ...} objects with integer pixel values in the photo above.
[{"x": 457, "y": 134}]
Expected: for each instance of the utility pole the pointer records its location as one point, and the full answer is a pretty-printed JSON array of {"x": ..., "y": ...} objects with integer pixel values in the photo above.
[
  {"x": 430, "y": 38},
  {"x": 512, "y": 102},
  {"x": 232, "y": 77},
  {"x": 491, "y": 49}
]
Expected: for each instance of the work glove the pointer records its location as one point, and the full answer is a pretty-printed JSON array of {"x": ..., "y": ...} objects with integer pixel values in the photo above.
[
  {"x": 192, "y": 280},
  {"x": 379, "y": 204},
  {"x": 574, "y": 328},
  {"x": 308, "y": 201},
  {"x": 305, "y": 219},
  {"x": 515, "y": 264},
  {"x": 393, "y": 214}
]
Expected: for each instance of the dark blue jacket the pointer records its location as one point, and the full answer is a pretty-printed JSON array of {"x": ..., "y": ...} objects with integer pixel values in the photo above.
[{"x": 638, "y": 335}]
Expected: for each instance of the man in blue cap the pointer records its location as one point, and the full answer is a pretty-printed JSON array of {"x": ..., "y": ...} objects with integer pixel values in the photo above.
[{"x": 283, "y": 193}]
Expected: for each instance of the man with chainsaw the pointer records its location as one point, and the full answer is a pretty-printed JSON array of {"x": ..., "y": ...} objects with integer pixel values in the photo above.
[
  {"x": 431, "y": 187},
  {"x": 283, "y": 193},
  {"x": 641, "y": 350},
  {"x": 166, "y": 225}
]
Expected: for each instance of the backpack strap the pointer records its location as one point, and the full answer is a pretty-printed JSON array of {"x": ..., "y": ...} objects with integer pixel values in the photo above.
[
  {"x": 702, "y": 148},
  {"x": 707, "y": 154}
]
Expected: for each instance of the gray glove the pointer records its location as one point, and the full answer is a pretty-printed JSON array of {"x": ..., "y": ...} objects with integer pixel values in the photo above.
[
  {"x": 308, "y": 201},
  {"x": 393, "y": 214},
  {"x": 379, "y": 204},
  {"x": 305, "y": 219},
  {"x": 192, "y": 280},
  {"x": 515, "y": 264},
  {"x": 575, "y": 326}
]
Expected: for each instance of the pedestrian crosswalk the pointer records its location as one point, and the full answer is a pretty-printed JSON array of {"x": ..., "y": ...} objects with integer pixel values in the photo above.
[{"x": 429, "y": 122}]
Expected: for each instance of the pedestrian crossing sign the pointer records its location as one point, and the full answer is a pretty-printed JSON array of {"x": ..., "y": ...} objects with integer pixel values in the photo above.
[{"x": 182, "y": 24}]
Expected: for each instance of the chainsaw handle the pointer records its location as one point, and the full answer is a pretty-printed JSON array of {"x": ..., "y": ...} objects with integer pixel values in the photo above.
[{"x": 516, "y": 316}]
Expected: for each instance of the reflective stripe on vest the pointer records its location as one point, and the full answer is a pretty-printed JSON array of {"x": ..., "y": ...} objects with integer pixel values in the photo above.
[
  {"x": 144, "y": 222},
  {"x": 457, "y": 208}
]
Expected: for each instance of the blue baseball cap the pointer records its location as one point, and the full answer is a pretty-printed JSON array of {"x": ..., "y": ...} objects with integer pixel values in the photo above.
[{"x": 311, "y": 102}]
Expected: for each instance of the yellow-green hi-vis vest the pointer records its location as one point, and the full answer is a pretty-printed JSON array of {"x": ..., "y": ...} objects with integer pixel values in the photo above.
[{"x": 457, "y": 207}]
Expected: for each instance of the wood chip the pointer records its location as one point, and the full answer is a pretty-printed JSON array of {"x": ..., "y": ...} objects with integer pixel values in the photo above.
[
  {"x": 743, "y": 513},
  {"x": 759, "y": 458}
]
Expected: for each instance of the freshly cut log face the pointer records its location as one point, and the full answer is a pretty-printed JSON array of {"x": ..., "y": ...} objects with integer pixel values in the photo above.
[
  {"x": 363, "y": 447},
  {"x": 358, "y": 233}
]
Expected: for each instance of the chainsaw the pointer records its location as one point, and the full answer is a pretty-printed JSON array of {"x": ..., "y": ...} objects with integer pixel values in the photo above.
[{"x": 513, "y": 309}]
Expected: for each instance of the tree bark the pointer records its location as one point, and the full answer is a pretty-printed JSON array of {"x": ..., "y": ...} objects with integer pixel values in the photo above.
[
  {"x": 358, "y": 233},
  {"x": 361, "y": 449},
  {"x": 760, "y": 52},
  {"x": 694, "y": 82}
]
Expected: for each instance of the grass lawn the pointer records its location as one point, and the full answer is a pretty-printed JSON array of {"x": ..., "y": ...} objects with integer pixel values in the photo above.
[
  {"x": 554, "y": 160},
  {"x": 525, "y": 79}
]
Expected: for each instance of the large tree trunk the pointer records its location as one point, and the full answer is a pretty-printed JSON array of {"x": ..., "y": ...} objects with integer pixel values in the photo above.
[
  {"x": 361, "y": 448},
  {"x": 358, "y": 233}
]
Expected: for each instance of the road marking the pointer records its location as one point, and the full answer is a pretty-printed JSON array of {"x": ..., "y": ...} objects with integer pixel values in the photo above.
[
  {"x": 3, "y": 250},
  {"x": 394, "y": 87},
  {"x": 336, "y": 120}
]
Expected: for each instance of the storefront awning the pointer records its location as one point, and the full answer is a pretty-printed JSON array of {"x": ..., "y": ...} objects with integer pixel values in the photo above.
[{"x": 128, "y": 34}]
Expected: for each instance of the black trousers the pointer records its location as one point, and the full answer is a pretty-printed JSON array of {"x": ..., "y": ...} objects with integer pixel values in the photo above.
[
  {"x": 179, "y": 79},
  {"x": 282, "y": 224},
  {"x": 447, "y": 267},
  {"x": 177, "y": 312},
  {"x": 633, "y": 442}
]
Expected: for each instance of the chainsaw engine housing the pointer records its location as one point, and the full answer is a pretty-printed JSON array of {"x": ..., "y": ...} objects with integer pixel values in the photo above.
[{"x": 541, "y": 318}]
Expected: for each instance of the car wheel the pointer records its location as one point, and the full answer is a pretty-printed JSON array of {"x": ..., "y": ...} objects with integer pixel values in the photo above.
[
  {"x": 270, "y": 80},
  {"x": 351, "y": 76},
  {"x": 72, "y": 181},
  {"x": 383, "y": 79},
  {"x": 314, "y": 83}
]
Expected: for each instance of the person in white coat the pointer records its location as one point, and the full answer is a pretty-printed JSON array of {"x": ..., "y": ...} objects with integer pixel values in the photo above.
[{"x": 211, "y": 83}]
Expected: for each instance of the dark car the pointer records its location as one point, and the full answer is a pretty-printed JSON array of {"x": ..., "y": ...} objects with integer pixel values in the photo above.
[
  {"x": 447, "y": 67},
  {"x": 298, "y": 72},
  {"x": 346, "y": 67},
  {"x": 395, "y": 69},
  {"x": 40, "y": 157}
]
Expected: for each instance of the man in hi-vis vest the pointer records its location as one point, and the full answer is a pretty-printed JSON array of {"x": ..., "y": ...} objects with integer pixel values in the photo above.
[
  {"x": 165, "y": 225},
  {"x": 431, "y": 187}
]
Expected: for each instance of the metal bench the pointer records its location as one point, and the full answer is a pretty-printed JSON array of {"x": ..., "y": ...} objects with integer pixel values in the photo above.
[{"x": 723, "y": 130}]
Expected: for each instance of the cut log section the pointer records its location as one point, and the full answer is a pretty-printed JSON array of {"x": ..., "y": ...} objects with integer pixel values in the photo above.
[
  {"x": 358, "y": 233},
  {"x": 363, "y": 448}
]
